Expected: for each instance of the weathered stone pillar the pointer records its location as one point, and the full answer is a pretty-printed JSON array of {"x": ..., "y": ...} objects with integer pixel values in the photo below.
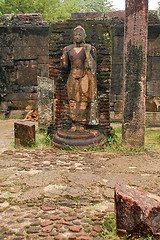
[
  {"x": 45, "y": 101},
  {"x": 135, "y": 65}
]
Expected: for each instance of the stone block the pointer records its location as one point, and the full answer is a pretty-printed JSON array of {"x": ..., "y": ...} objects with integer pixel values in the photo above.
[
  {"x": 155, "y": 73},
  {"x": 43, "y": 70},
  {"x": 117, "y": 79},
  {"x": 87, "y": 15},
  {"x": 45, "y": 87},
  {"x": 42, "y": 51},
  {"x": 156, "y": 62},
  {"x": 117, "y": 59},
  {"x": 44, "y": 59},
  {"x": 153, "y": 88},
  {"x": 45, "y": 113},
  {"x": 117, "y": 45},
  {"x": 24, "y": 52},
  {"x": 136, "y": 213},
  {"x": 153, "y": 47},
  {"x": 27, "y": 75},
  {"x": 153, "y": 119},
  {"x": 28, "y": 17},
  {"x": 35, "y": 40},
  {"x": 23, "y": 104},
  {"x": 24, "y": 134},
  {"x": 18, "y": 96},
  {"x": 16, "y": 114}
]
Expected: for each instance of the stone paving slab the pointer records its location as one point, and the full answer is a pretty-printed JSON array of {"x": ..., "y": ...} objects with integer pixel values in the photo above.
[{"x": 47, "y": 194}]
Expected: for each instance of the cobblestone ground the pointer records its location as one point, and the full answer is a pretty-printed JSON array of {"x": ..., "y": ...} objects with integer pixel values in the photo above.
[{"x": 47, "y": 194}]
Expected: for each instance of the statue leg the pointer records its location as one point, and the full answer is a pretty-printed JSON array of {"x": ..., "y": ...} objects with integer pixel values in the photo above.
[
  {"x": 73, "y": 115},
  {"x": 78, "y": 114},
  {"x": 83, "y": 111},
  {"x": 73, "y": 109}
]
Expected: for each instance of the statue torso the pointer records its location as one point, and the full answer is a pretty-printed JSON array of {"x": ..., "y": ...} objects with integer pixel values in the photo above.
[{"x": 77, "y": 58}]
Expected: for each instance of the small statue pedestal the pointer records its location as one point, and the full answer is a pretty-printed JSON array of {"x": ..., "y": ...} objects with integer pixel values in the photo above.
[{"x": 82, "y": 140}]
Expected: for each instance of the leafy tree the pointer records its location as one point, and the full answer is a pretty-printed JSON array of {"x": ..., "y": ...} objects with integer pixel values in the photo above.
[
  {"x": 53, "y": 10},
  {"x": 21, "y": 6},
  {"x": 96, "y": 5},
  {"x": 64, "y": 10}
]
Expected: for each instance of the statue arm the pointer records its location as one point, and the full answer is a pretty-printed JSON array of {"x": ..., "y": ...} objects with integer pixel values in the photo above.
[
  {"x": 91, "y": 58},
  {"x": 65, "y": 59}
]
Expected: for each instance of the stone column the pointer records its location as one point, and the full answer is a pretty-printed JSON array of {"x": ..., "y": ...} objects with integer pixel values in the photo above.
[
  {"x": 135, "y": 66},
  {"x": 45, "y": 102}
]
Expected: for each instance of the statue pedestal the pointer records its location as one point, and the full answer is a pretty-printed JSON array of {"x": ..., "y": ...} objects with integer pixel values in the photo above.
[{"x": 87, "y": 139}]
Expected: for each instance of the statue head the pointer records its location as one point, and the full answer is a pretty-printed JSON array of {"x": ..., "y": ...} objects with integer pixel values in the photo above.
[{"x": 79, "y": 34}]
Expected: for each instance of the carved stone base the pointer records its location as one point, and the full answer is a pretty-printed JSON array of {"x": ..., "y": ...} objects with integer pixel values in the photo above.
[{"x": 88, "y": 139}]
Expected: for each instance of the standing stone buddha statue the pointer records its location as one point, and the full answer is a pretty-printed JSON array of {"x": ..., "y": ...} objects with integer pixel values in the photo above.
[{"x": 80, "y": 58}]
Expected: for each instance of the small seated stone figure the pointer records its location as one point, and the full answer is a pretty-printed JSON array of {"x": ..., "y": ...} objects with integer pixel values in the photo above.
[{"x": 82, "y": 83}]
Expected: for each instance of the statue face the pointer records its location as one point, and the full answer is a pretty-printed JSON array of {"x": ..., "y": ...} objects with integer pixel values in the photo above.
[{"x": 79, "y": 35}]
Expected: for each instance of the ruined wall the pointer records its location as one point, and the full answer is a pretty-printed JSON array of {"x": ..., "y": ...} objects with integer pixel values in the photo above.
[
  {"x": 23, "y": 56},
  {"x": 153, "y": 69},
  {"x": 98, "y": 35}
]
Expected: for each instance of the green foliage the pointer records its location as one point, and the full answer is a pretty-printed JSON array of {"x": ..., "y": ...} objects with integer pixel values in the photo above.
[
  {"x": 21, "y": 6},
  {"x": 96, "y": 5},
  {"x": 53, "y": 10}
]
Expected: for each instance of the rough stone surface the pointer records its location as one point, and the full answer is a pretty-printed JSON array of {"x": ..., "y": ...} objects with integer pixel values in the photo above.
[
  {"x": 135, "y": 66},
  {"x": 24, "y": 55},
  {"x": 136, "y": 212},
  {"x": 24, "y": 134},
  {"x": 45, "y": 101}
]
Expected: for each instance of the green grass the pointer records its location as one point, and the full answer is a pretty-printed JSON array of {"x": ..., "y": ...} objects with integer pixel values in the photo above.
[
  {"x": 152, "y": 139},
  {"x": 152, "y": 142},
  {"x": 113, "y": 144},
  {"x": 109, "y": 231}
]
